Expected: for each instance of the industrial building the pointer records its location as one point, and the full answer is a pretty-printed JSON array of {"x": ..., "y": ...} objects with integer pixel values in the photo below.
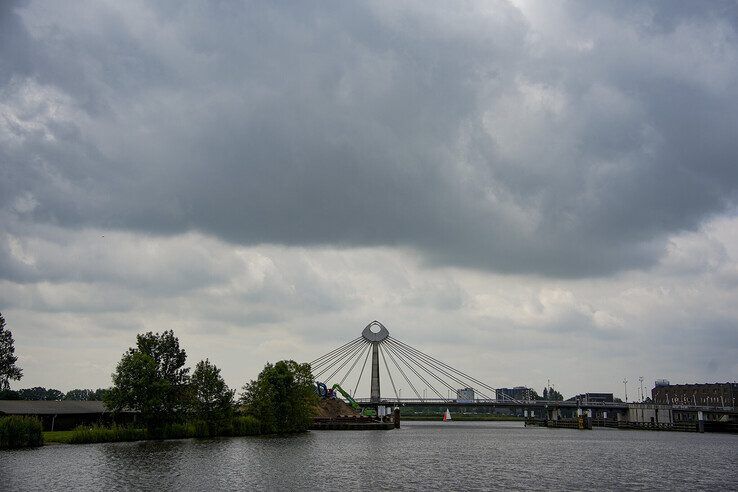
[
  {"x": 521, "y": 393},
  {"x": 465, "y": 395},
  {"x": 707, "y": 394},
  {"x": 594, "y": 398}
]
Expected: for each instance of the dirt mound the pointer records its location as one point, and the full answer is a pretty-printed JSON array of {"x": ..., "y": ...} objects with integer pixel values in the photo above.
[{"x": 329, "y": 408}]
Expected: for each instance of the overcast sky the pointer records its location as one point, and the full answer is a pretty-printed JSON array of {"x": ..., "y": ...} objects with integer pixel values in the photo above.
[{"x": 525, "y": 190}]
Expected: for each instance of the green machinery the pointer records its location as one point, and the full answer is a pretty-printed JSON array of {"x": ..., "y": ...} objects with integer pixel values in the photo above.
[
  {"x": 367, "y": 412},
  {"x": 351, "y": 401}
]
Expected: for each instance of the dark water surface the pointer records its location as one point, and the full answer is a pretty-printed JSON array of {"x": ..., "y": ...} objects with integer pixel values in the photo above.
[{"x": 420, "y": 456}]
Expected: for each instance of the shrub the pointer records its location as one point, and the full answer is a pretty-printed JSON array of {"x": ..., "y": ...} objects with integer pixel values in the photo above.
[
  {"x": 177, "y": 431},
  {"x": 85, "y": 435},
  {"x": 246, "y": 425},
  {"x": 20, "y": 432}
]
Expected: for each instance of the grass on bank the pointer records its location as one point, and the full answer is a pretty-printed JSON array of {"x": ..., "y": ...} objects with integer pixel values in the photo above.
[{"x": 238, "y": 426}]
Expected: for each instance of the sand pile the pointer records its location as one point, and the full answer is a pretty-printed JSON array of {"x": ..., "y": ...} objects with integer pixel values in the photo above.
[{"x": 329, "y": 408}]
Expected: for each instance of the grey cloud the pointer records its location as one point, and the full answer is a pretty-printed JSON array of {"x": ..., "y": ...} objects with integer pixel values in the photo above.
[
  {"x": 465, "y": 135},
  {"x": 268, "y": 302}
]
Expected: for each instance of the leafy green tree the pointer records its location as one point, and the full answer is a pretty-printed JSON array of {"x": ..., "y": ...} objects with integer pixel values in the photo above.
[
  {"x": 99, "y": 394},
  {"x": 152, "y": 379},
  {"x": 9, "y": 395},
  {"x": 40, "y": 393},
  {"x": 282, "y": 397},
  {"x": 78, "y": 394},
  {"x": 8, "y": 369},
  {"x": 554, "y": 395},
  {"x": 85, "y": 394},
  {"x": 212, "y": 400},
  {"x": 137, "y": 386}
]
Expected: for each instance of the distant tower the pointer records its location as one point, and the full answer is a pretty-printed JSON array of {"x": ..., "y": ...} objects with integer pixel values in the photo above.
[{"x": 375, "y": 333}]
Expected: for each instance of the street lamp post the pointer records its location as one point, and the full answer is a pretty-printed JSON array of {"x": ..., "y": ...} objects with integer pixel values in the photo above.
[
  {"x": 640, "y": 378},
  {"x": 625, "y": 383}
]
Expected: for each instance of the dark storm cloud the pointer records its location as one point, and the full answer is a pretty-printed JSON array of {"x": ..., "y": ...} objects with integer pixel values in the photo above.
[{"x": 470, "y": 134}]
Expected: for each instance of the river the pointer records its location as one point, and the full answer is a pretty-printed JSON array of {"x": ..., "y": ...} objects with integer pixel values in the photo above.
[{"x": 420, "y": 456}]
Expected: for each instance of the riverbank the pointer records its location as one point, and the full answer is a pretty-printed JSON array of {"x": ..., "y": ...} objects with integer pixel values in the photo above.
[
  {"x": 238, "y": 426},
  {"x": 463, "y": 417}
]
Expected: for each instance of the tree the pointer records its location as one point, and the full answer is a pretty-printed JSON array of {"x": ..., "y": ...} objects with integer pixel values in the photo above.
[
  {"x": 282, "y": 397},
  {"x": 9, "y": 395},
  {"x": 554, "y": 395},
  {"x": 85, "y": 394},
  {"x": 211, "y": 399},
  {"x": 137, "y": 386},
  {"x": 8, "y": 369},
  {"x": 78, "y": 394},
  {"x": 99, "y": 394},
  {"x": 152, "y": 379},
  {"x": 40, "y": 393}
]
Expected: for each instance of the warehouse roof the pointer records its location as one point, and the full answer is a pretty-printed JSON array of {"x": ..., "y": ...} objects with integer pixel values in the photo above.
[{"x": 34, "y": 407}]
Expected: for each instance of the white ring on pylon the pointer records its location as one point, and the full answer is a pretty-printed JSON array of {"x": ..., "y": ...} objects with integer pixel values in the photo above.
[{"x": 371, "y": 336}]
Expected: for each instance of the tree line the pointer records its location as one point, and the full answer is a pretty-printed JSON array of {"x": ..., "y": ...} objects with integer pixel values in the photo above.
[
  {"x": 152, "y": 379},
  {"x": 38, "y": 393}
]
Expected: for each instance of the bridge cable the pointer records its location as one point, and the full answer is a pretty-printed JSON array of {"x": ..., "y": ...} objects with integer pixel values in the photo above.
[
  {"x": 426, "y": 356},
  {"x": 332, "y": 351},
  {"x": 404, "y": 375},
  {"x": 345, "y": 359},
  {"x": 439, "y": 369},
  {"x": 337, "y": 359},
  {"x": 361, "y": 352},
  {"x": 362, "y": 371},
  {"x": 338, "y": 356},
  {"x": 402, "y": 358},
  {"x": 338, "y": 352},
  {"x": 426, "y": 370},
  {"x": 486, "y": 386},
  {"x": 450, "y": 375},
  {"x": 348, "y": 359},
  {"x": 381, "y": 352},
  {"x": 418, "y": 374},
  {"x": 453, "y": 377}
]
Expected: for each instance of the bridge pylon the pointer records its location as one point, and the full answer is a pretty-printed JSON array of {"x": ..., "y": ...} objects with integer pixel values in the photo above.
[
  {"x": 418, "y": 369},
  {"x": 375, "y": 333}
]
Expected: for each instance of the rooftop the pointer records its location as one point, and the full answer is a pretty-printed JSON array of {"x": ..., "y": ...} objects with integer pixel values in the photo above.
[{"x": 34, "y": 407}]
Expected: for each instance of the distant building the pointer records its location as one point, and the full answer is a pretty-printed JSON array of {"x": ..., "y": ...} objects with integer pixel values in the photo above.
[
  {"x": 516, "y": 393},
  {"x": 708, "y": 394},
  {"x": 465, "y": 395},
  {"x": 594, "y": 398}
]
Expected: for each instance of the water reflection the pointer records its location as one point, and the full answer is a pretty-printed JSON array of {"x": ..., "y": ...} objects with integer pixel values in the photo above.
[{"x": 459, "y": 455}]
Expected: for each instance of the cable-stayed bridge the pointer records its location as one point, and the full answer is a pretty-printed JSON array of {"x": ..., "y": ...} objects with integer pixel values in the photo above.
[
  {"x": 429, "y": 380},
  {"x": 432, "y": 382}
]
